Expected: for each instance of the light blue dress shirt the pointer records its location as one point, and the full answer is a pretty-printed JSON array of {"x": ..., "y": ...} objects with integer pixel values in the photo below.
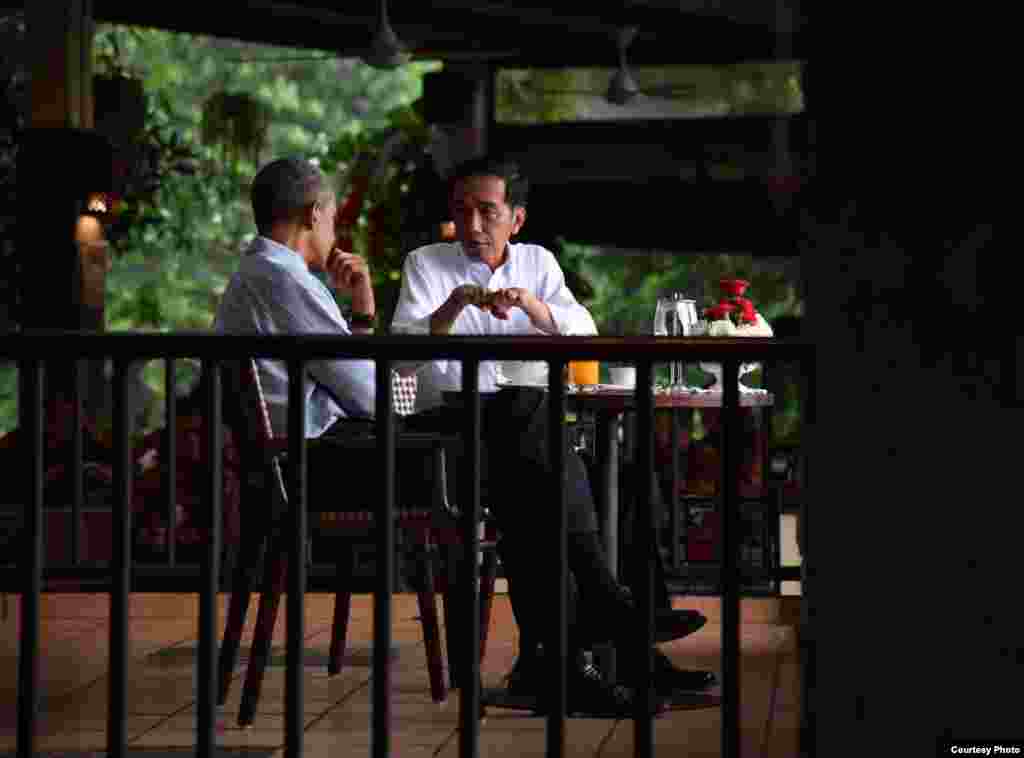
[{"x": 274, "y": 292}]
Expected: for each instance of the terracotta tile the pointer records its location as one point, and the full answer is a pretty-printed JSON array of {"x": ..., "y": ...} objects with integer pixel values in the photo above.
[
  {"x": 267, "y": 731},
  {"x": 338, "y": 710},
  {"x": 584, "y": 737}
]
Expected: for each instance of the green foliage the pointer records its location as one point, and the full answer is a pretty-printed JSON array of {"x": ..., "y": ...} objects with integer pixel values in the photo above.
[
  {"x": 537, "y": 96},
  {"x": 185, "y": 216},
  {"x": 645, "y": 275},
  {"x": 176, "y": 247},
  {"x": 8, "y": 397}
]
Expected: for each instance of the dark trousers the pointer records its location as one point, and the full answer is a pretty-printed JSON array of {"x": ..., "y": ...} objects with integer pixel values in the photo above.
[{"x": 517, "y": 486}]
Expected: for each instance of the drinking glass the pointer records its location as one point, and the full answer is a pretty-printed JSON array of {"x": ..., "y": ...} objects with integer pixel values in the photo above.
[
  {"x": 675, "y": 316},
  {"x": 664, "y": 317}
]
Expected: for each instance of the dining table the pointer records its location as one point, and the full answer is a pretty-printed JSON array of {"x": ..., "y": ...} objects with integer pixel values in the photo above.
[{"x": 608, "y": 404}]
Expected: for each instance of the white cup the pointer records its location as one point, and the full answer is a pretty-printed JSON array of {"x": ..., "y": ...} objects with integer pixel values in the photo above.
[{"x": 624, "y": 376}]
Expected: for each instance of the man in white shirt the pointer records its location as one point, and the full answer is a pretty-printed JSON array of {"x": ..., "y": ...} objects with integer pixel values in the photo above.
[{"x": 485, "y": 284}]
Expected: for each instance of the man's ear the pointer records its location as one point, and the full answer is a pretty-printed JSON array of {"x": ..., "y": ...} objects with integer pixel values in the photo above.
[
  {"x": 518, "y": 218},
  {"x": 311, "y": 214}
]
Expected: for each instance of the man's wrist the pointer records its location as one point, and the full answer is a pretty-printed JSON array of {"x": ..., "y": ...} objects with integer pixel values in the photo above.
[
  {"x": 542, "y": 318},
  {"x": 442, "y": 320}
]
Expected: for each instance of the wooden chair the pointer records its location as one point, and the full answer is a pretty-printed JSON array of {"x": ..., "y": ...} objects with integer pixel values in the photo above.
[{"x": 265, "y": 500}]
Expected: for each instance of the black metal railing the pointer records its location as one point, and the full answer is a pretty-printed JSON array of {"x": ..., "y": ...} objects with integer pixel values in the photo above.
[{"x": 33, "y": 351}]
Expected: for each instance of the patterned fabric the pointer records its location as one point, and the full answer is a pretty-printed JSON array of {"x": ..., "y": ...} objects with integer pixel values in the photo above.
[{"x": 403, "y": 392}]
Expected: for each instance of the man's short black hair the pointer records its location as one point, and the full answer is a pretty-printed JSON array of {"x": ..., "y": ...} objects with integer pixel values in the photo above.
[
  {"x": 517, "y": 186},
  {"x": 284, "y": 187}
]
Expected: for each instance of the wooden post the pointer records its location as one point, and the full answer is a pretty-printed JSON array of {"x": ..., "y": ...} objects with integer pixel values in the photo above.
[{"x": 62, "y": 256}]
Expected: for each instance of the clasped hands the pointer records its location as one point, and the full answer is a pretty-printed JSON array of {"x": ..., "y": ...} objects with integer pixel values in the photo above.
[{"x": 496, "y": 302}]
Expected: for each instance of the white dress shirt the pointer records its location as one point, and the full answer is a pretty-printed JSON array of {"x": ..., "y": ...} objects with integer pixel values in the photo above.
[
  {"x": 433, "y": 271},
  {"x": 274, "y": 292}
]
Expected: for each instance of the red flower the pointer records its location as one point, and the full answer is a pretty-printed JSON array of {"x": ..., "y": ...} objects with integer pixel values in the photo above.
[
  {"x": 719, "y": 312},
  {"x": 745, "y": 308},
  {"x": 733, "y": 287}
]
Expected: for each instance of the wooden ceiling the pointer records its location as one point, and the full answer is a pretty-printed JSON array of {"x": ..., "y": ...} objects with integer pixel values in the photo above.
[{"x": 511, "y": 33}]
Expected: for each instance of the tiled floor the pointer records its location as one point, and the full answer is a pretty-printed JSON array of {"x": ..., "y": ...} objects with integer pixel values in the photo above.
[{"x": 338, "y": 711}]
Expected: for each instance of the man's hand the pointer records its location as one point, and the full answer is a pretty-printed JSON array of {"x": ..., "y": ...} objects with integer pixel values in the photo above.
[
  {"x": 465, "y": 294},
  {"x": 347, "y": 272},
  {"x": 350, "y": 274},
  {"x": 517, "y": 297}
]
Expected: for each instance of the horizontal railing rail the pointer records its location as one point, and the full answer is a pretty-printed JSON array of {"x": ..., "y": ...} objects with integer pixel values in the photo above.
[
  {"x": 133, "y": 346},
  {"x": 33, "y": 351}
]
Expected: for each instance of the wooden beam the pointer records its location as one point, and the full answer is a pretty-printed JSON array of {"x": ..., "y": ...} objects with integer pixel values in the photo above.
[{"x": 60, "y": 40}]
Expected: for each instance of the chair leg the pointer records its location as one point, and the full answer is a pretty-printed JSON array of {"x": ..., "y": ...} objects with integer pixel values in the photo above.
[
  {"x": 431, "y": 629},
  {"x": 452, "y": 627},
  {"x": 488, "y": 575},
  {"x": 273, "y": 585},
  {"x": 241, "y": 593},
  {"x": 342, "y": 609}
]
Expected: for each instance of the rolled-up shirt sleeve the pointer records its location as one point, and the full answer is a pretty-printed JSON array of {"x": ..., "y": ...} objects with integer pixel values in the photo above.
[
  {"x": 571, "y": 318},
  {"x": 417, "y": 300},
  {"x": 351, "y": 383}
]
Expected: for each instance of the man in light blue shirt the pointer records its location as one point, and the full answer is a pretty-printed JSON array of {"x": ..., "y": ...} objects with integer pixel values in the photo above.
[{"x": 276, "y": 290}]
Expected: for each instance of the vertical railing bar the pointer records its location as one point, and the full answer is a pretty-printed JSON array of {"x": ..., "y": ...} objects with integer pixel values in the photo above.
[
  {"x": 557, "y": 453},
  {"x": 673, "y": 498},
  {"x": 469, "y": 699},
  {"x": 206, "y": 681},
  {"x": 170, "y": 461},
  {"x": 385, "y": 533},
  {"x": 30, "y": 411},
  {"x": 77, "y": 489},
  {"x": 643, "y": 543},
  {"x": 729, "y": 577},
  {"x": 807, "y": 636},
  {"x": 771, "y": 489},
  {"x": 296, "y": 559},
  {"x": 117, "y": 714}
]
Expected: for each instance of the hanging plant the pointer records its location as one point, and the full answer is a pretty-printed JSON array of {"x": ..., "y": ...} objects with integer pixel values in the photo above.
[
  {"x": 119, "y": 104},
  {"x": 237, "y": 123}
]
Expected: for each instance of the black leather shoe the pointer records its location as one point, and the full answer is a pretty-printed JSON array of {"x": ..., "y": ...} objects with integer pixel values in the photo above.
[
  {"x": 668, "y": 679},
  {"x": 590, "y": 694},
  {"x": 526, "y": 677},
  {"x": 671, "y": 624}
]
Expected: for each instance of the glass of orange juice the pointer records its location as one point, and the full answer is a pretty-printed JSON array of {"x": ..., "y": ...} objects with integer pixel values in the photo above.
[{"x": 584, "y": 372}]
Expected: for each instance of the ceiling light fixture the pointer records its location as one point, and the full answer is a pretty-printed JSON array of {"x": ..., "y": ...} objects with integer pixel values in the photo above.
[{"x": 623, "y": 87}]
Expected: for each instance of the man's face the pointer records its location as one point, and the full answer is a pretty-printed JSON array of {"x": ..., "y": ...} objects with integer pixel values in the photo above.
[
  {"x": 323, "y": 236},
  {"x": 484, "y": 222}
]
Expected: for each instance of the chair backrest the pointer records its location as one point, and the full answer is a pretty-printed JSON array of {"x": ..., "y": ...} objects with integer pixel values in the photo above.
[
  {"x": 261, "y": 441},
  {"x": 246, "y": 411}
]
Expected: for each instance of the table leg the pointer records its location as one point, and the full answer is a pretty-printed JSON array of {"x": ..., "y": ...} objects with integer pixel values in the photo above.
[{"x": 606, "y": 490}]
